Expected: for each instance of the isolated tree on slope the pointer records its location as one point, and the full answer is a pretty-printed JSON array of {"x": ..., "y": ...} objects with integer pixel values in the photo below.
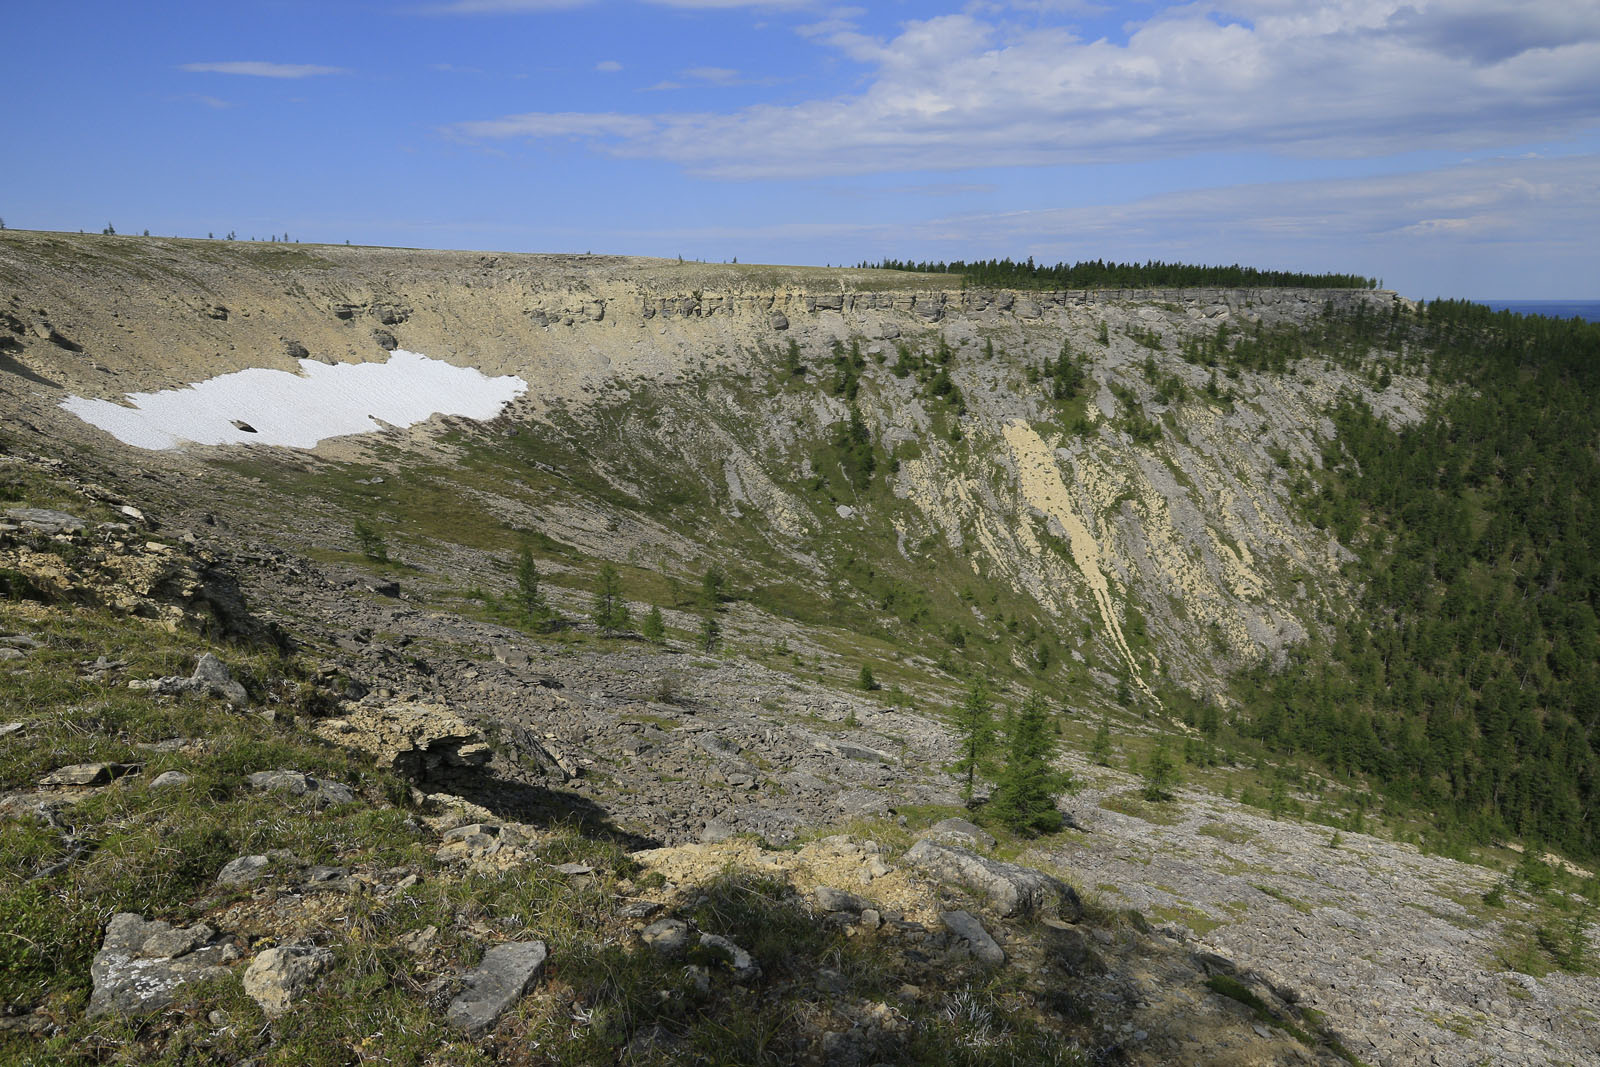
[
  {"x": 610, "y": 610},
  {"x": 975, "y": 724},
  {"x": 1025, "y": 797}
]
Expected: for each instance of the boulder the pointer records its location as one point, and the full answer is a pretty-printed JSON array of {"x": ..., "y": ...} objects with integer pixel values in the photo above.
[
  {"x": 277, "y": 976},
  {"x": 416, "y": 739},
  {"x": 1009, "y": 888},
  {"x": 384, "y": 339},
  {"x": 244, "y": 870},
  {"x": 977, "y": 940},
  {"x": 323, "y": 792},
  {"x": 89, "y": 773},
  {"x": 214, "y": 674},
  {"x": 721, "y": 950},
  {"x": 961, "y": 833},
  {"x": 669, "y": 937},
  {"x": 830, "y": 899},
  {"x": 44, "y": 520},
  {"x": 495, "y": 984},
  {"x": 142, "y": 964},
  {"x": 778, "y": 320}
]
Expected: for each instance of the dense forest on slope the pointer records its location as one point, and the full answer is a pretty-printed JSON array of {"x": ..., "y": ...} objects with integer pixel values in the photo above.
[
  {"x": 1099, "y": 274},
  {"x": 1469, "y": 683}
]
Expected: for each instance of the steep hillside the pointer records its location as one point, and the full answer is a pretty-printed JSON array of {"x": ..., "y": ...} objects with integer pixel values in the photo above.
[{"x": 1133, "y": 530}]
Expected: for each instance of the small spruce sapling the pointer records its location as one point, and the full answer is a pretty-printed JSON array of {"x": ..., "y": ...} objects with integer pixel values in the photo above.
[
  {"x": 1100, "y": 748},
  {"x": 610, "y": 610},
  {"x": 653, "y": 628},
  {"x": 371, "y": 541},
  {"x": 975, "y": 726},
  {"x": 710, "y": 633},
  {"x": 1160, "y": 774},
  {"x": 867, "y": 682},
  {"x": 529, "y": 597}
]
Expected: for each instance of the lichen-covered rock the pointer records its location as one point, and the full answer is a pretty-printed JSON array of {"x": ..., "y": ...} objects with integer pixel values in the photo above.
[
  {"x": 278, "y": 976},
  {"x": 415, "y": 739},
  {"x": 495, "y": 984},
  {"x": 323, "y": 792},
  {"x": 977, "y": 940},
  {"x": 961, "y": 833},
  {"x": 1010, "y": 888},
  {"x": 142, "y": 964}
]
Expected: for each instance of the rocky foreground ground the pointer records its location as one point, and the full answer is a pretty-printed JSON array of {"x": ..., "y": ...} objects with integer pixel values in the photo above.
[{"x": 492, "y": 817}]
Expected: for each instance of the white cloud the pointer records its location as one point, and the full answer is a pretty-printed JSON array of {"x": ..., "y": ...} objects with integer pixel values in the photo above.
[
  {"x": 258, "y": 69},
  {"x": 608, "y": 66},
  {"x": 556, "y": 124},
  {"x": 1458, "y": 229},
  {"x": 1348, "y": 78},
  {"x": 714, "y": 75},
  {"x": 499, "y": 7}
]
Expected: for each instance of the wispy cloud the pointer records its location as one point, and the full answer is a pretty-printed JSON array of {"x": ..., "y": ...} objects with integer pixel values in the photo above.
[
  {"x": 499, "y": 7},
  {"x": 608, "y": 66},
  {"x": 257, "y": 69},
  {"x": 1351, "y": 78},
  {"x": 555, "y": 124}
]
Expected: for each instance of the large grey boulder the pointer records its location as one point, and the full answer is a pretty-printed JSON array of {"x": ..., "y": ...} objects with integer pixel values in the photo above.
[
  {"x": 214, "y": 674},
  {"x": 277, "y": 976},
  {"x": 978, "y": 940},
  {"x": 1010, "y": 888},
  {"x": 210, "y": 678},
  {"x": 495, "y": 984},
  {"x": 44, "y": 520},
  {"x": 961, "y": 833},
  {"x": 142, "y": 964},
  {"x": 320, "y": 790}
]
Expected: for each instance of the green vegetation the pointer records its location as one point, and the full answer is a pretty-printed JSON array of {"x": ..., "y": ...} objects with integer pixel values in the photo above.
[
  {"x": 1025, "y": 796},
  {"x": 1469, "y": 683},
  {"x": 371, "y": 541},
  {"x": 1099, "y": 274},
  {"x": 653, "y": 629},
  {"x": 1160, "y": 774},
  {"x": 974, "y": 723},
  {"x": 610, "y": 611}
]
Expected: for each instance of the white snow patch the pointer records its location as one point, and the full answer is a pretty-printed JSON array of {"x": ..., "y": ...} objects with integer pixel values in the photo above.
[{"x": 299, "y": 410}]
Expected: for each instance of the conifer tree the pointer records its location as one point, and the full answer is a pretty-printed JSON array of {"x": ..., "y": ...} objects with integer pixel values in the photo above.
[
  {"x": 529, "y": 597},
  {"x": 1160, "y": 774},
  {"x": 1100, "y": 749},
  {"x": 610, "y": 610},
  {"x": 975, "y": 725},
  {"x": 1025, "y": 796},
  {"x": 867, "y": 681},
  {"x": 710, "y": 633},
  {"x": 653, "y": 628}
]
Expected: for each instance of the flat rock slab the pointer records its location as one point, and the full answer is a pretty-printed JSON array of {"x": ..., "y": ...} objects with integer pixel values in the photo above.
[
  {"x": 142, "y": 964},
  {"x": 983, "y": 946},
  {"x": 89, "y": 773},
  {"x": 44, "y": 520},
  {"x": 322, "y": 791},
  {"x": 495, "y": 984},
  {"x": 1010, "y": 888},
  {"x": 961, "y": 833}
]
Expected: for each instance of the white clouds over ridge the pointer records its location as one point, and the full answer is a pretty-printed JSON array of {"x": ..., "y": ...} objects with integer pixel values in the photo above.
[{"x": 1349, "y": 78}]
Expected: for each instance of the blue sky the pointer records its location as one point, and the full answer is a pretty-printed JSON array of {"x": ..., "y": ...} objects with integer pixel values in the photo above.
[{"x": 1450, "y": 148}]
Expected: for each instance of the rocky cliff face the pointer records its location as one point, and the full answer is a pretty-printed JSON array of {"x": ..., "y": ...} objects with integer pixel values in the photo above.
[{"x": 1143, "y": 532}]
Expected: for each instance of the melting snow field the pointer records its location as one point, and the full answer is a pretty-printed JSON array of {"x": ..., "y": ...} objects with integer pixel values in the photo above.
[{"x": 273, "y": 407}]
